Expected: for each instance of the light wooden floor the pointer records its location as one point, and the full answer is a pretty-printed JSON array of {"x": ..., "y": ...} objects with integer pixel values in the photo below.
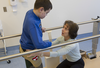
[{"x": 93, "y": 63}]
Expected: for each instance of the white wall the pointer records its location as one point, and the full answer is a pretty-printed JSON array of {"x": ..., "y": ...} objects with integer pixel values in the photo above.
[{"x": 76, "y": 10}]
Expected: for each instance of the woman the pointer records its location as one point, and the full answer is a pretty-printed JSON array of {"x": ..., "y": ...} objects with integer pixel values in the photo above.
[{"x": 73, "y": 56}]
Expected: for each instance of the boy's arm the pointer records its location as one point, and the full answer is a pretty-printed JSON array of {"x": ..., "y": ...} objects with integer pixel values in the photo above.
[{"x": 37, "y": 39}]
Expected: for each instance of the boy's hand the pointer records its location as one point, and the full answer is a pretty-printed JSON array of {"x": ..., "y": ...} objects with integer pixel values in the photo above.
[{"x": 43, "y": 29}]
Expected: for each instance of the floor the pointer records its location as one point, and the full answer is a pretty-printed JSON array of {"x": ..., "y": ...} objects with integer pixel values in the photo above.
[
  {"x": 19, "y": 61},
  {"x": 94, "y": 63}
]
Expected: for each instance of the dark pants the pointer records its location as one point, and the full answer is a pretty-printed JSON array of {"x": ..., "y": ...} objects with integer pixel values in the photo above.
[
  {"x": 68, "y": 64},
  {"x": 29, "y": 65}
]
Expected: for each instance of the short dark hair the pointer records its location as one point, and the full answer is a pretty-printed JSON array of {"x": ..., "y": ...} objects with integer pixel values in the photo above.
[
  {"x": 43, "y": 3},
  {"x": 73, "y": 28}
]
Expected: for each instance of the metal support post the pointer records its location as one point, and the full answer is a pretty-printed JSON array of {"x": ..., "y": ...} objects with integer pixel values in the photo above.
[{"x": 95, "y": 40}]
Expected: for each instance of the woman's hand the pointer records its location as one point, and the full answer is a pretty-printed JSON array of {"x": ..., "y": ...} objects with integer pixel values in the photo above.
[{"x": 35, "y": 54}]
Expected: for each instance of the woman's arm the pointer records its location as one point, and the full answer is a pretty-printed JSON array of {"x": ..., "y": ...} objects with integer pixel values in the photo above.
[
  {"x": 46, "y": 54},
  {"x": 60, "y": 52},
  {"x": 57, "y": 41}
]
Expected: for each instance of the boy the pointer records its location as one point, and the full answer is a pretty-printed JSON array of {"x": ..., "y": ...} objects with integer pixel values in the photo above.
[{"x": 31, "y": 37}]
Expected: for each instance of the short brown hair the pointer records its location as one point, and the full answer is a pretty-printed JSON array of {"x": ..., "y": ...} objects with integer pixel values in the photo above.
[
  {"x": 43, "y": 3},
  {"x": 73, "y": 28}
]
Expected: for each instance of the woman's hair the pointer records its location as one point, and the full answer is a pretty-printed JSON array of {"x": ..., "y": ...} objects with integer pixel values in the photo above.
[
  {"x": 43, "y": 3},
  {"x": 73, "y": 28}
]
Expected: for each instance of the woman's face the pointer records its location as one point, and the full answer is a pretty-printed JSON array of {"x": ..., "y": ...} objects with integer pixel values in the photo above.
[{"x": 65, "y": 30}]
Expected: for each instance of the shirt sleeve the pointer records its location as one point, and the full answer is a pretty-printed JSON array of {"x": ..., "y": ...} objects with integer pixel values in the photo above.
[
  {"x": 56, "y": 41},
  {"x": 63, "y": 50},
  {"x": 37, "y": 38}
]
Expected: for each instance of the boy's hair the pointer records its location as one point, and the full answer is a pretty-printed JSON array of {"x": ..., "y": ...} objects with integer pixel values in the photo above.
[
  {"x": 43, "y": 3},
  {"x": 73, "y": 28}
]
